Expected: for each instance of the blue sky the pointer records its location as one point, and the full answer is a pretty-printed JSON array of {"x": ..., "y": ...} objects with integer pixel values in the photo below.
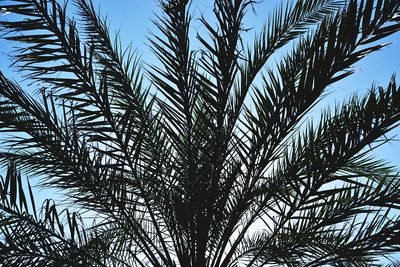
[{"x": 132, "y": 18}]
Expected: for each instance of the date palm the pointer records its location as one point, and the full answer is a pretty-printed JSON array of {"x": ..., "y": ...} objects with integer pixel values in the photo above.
[{"x": 207, "y": 158}]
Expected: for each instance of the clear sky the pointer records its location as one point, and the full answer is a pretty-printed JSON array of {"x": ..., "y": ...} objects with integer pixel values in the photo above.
[{"x": 132, "y": 18}]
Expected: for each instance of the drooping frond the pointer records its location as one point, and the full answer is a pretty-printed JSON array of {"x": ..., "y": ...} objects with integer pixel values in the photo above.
[
  {"x": 48, "y": 237},
  {"x": 313, "y": 163}
]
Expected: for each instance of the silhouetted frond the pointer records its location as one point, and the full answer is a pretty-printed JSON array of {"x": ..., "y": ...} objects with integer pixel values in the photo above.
[
  {"x": 48, "y": 237},
  {"x": 205, "y": 158}
]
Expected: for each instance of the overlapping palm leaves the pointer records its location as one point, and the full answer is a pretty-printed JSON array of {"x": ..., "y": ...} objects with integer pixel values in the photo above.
[{"x": 181, "y": 172}]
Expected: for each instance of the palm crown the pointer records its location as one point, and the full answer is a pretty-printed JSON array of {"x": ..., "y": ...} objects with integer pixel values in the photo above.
[{"x": 218, "y": 168}]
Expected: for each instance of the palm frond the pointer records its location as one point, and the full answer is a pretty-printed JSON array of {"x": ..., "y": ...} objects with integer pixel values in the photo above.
[
  {"x": 180, "y": 160},
  {"x": 321, "y": 153},
  {"x": 50, "y": 237}
]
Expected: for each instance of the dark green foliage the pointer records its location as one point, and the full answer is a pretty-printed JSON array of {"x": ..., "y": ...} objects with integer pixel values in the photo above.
[{"x": 219, "y": 168}]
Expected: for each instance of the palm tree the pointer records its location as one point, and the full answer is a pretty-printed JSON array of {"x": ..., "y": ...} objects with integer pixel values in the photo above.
[{"x": 208, "y": 158}]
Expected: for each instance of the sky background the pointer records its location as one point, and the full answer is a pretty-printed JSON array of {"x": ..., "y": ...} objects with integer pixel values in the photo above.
[{"x": 132, "y": 18}]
